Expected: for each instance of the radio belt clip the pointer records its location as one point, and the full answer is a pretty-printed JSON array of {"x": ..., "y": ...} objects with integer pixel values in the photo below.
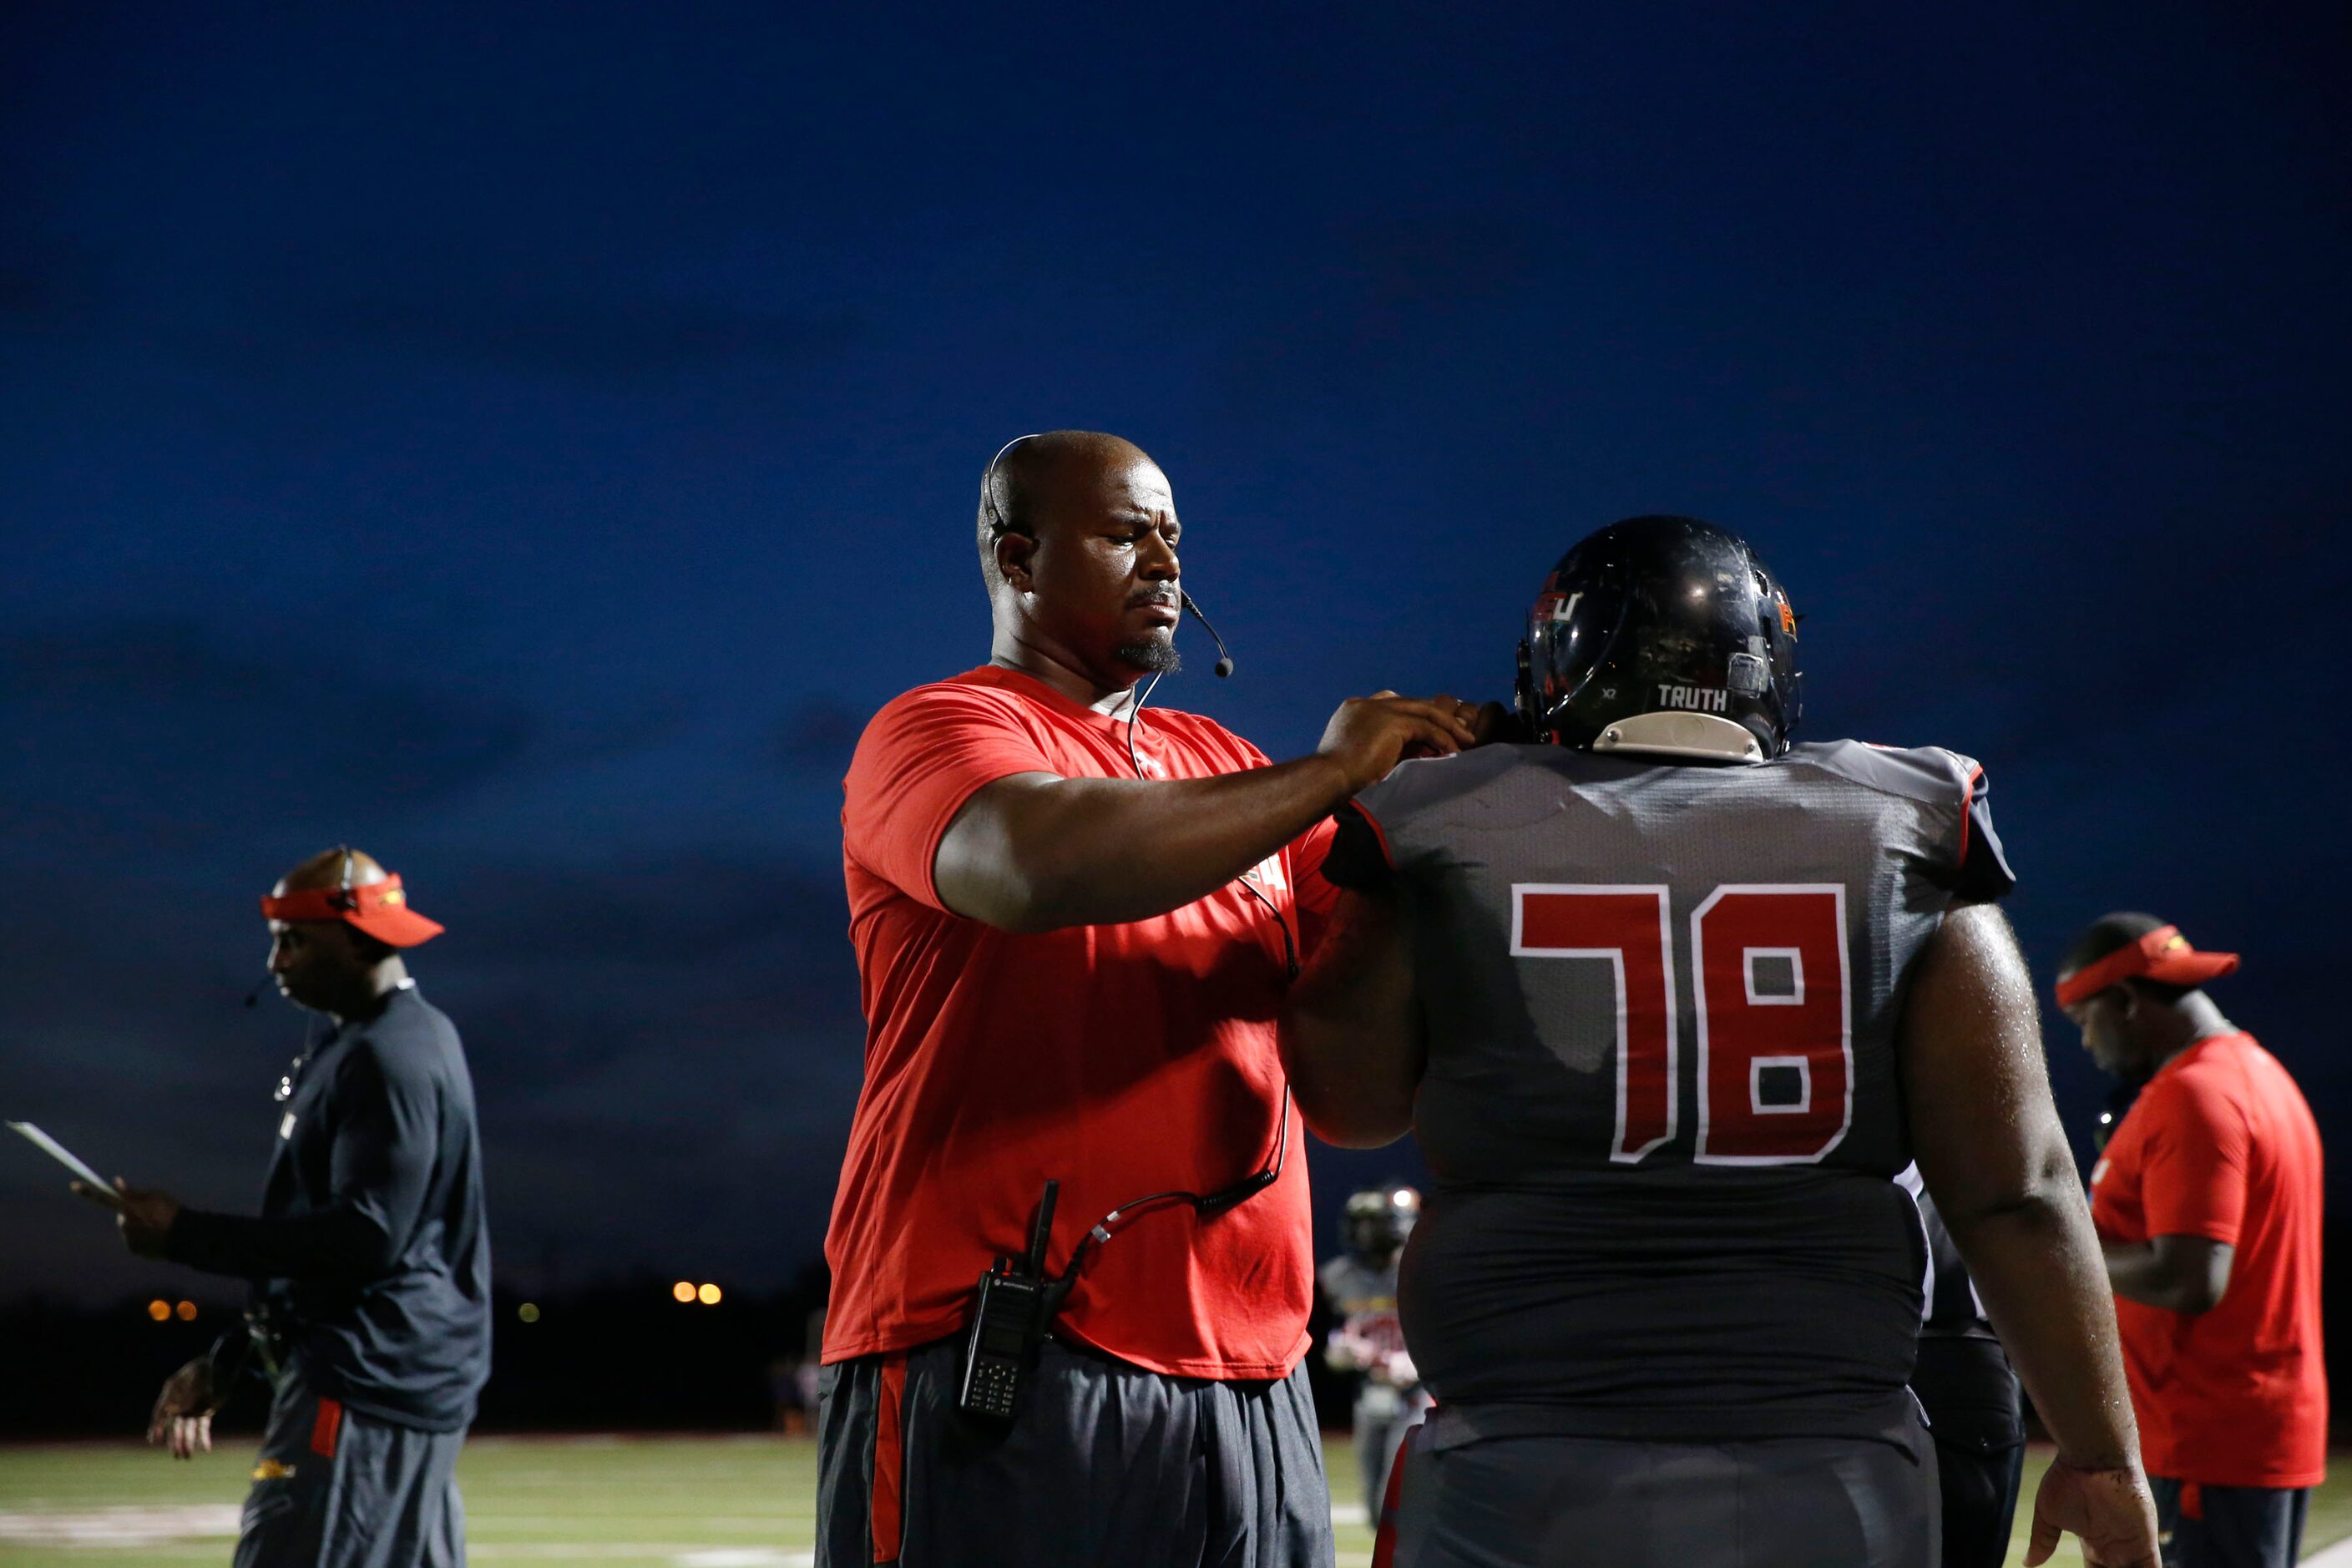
[{"x": 1011, "y": 1306}]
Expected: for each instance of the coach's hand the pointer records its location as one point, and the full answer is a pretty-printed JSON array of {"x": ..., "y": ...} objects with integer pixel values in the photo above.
[
  {"x": 146, "y": 1217},
  {"x": 1370, "y": 735},
  {"x": 2111, "y": 1511},
  {"x": 1499, "y": 722},
  {"x": 184, "y": 1411}
]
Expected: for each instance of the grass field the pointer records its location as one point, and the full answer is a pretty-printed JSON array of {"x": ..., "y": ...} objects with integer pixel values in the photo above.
[{"x": 615, "y": 1502}]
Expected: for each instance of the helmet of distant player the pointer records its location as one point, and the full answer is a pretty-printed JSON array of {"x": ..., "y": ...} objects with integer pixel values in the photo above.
[
  {"x": 1665, "y": 636},
  {"x": 1378, "y": 1219}
]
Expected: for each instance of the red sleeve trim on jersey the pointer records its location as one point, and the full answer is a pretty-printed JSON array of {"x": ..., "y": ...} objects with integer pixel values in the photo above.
[
  {"x": 1968, "y": 799},
  {"x": 1380, "y": 834}
]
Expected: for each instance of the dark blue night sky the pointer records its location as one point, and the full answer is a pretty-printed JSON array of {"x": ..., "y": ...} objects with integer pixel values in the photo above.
[{"x": 527, "y": 444}]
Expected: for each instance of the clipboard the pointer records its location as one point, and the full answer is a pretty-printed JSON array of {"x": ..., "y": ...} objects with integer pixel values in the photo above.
[{"x": 100, "y": 1190}]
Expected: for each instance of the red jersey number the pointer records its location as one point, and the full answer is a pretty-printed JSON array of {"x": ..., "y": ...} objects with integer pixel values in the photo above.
[
  {"x": 1627, "y": 926},
  {"x": 1775, "y": 1013}
]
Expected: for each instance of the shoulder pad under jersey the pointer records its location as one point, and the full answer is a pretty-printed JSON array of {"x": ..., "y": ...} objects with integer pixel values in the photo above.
[{"x": 1962, "y": 847}]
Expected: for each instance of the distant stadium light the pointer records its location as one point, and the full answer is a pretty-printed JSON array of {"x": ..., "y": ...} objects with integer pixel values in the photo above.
[
  {"x": 187, "y": 1312},
  {"x": 160, "y": 1310},
  {"x": 683, "y": 1290},
  {"x": 708, "y": 1295},
  {"x": 528, "y": 1311}
]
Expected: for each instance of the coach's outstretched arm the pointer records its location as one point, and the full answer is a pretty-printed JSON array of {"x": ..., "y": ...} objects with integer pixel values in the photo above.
[
  {"x": 1352, "y": 1039},
  {"x": 1036, "y": 852},
  {"x": 1996, "y": 1162}
]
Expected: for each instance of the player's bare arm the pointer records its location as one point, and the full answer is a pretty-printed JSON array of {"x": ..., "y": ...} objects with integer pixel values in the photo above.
[
  {"x": 1036, "y": 852},
  {"x": 1995, "y": 1161},
  {"x": 2184, "y": 1274},
  {"x": 1353, "y": 1040}
]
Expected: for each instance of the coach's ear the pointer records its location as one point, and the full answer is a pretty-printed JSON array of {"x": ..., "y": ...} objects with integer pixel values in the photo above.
[{"x": 1014, "y": 553}]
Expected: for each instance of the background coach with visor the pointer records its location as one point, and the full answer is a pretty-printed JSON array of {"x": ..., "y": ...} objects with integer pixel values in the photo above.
[{"x": 370, "y": 1259}]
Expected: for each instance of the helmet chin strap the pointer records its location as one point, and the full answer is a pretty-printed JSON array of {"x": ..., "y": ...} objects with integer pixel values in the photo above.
[{"x": 1692, "y": 737}]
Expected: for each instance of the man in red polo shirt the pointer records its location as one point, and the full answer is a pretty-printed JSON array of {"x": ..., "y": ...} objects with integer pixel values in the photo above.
[
  {"x": 2207, "y": 1200},
  {"x": 1075, "y": 920}
]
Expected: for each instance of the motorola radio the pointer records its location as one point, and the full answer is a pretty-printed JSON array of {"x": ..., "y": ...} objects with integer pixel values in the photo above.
[{"x": 1009, "y": 1314}]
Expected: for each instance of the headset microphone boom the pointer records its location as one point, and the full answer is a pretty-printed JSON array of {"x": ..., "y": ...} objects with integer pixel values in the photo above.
[{"x": 1224, "y": 659}]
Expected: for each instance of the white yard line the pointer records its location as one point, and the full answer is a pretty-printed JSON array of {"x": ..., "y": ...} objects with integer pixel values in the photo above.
[
  {"x": 679, "y": 1555},
  {"x": 119, "y": 1526},
  {"x": 2336, "y": 1556}
]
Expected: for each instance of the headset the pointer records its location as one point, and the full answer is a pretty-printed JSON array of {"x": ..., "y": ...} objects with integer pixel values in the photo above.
[
  {"x": 999, "y": 523},
  {"x": 343, "y": 897}
]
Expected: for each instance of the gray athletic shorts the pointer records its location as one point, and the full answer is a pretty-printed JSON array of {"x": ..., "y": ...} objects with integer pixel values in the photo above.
[
  {"x": 2229, "y": 1527},
  {"x": 1105, "y": 1464},
  {"x": 1591, "y": 1502},
  {"x": 334, "y": 1489},
  {"x": 1383, "y": 1416}
]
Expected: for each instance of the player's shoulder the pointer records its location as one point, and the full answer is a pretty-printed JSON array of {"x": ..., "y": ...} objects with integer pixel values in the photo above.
[
  {"x": 1932, "y": 775},
  {"x": 1421, "y": 783}
]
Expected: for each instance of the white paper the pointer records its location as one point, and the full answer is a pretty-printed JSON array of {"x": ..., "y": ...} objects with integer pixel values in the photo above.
[{"x": 101, "y": 1188}]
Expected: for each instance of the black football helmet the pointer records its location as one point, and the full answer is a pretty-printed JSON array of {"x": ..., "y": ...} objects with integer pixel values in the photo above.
[
  {"x": 1379, "y": 1220},
  {"x": 1661, "y": 635}
]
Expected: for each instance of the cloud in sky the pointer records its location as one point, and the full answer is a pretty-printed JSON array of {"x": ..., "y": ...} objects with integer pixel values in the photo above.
[
  {"x": 612, "y": 339},
  {"x": 143, "y": 733}
]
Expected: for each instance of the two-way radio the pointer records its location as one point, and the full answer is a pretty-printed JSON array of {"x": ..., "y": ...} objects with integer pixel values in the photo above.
[
  {"x": 1015, "y": 1302},
  {"x": 1008, "y": 1317}
]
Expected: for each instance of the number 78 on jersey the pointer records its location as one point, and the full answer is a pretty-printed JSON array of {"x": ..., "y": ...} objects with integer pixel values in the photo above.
[{"x": 1774, "y": 1030}]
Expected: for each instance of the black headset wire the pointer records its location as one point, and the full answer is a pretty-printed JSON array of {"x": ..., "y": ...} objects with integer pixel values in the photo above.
[
  {"x": 1289, "y": 943},
  {"x": 1203, "y": 1204}
]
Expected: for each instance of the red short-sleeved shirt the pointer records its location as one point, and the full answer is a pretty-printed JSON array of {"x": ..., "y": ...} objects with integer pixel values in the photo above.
[
  {"x": 1122, "y": 1060},
  {"x": 2221, "y": 1144}
]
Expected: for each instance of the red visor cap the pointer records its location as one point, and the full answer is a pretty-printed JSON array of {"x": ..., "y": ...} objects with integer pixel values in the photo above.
[
  {"x": 2163, "y": 955},
  {"x": 379, "y": 908}
]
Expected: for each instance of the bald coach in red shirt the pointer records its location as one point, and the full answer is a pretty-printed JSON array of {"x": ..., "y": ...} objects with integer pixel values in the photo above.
[
  {"x": 2207, "y": 1200},
  {"x": 1075, "y": 917}
]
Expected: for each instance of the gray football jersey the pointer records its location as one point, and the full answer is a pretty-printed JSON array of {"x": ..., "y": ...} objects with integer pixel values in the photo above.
[{"x": 1660, "y": 1104}]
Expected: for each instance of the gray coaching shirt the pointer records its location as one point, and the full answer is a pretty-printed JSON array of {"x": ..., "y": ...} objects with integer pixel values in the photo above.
[
  {"x": 1660, "y": 1104},
  {"x": 372, "y": 1246}
]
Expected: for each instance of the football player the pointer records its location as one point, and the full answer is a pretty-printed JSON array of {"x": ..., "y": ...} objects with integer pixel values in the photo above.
[
  {"x": 1360, "y": 1287},
  {"x": 1669, "y": 1004}
]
